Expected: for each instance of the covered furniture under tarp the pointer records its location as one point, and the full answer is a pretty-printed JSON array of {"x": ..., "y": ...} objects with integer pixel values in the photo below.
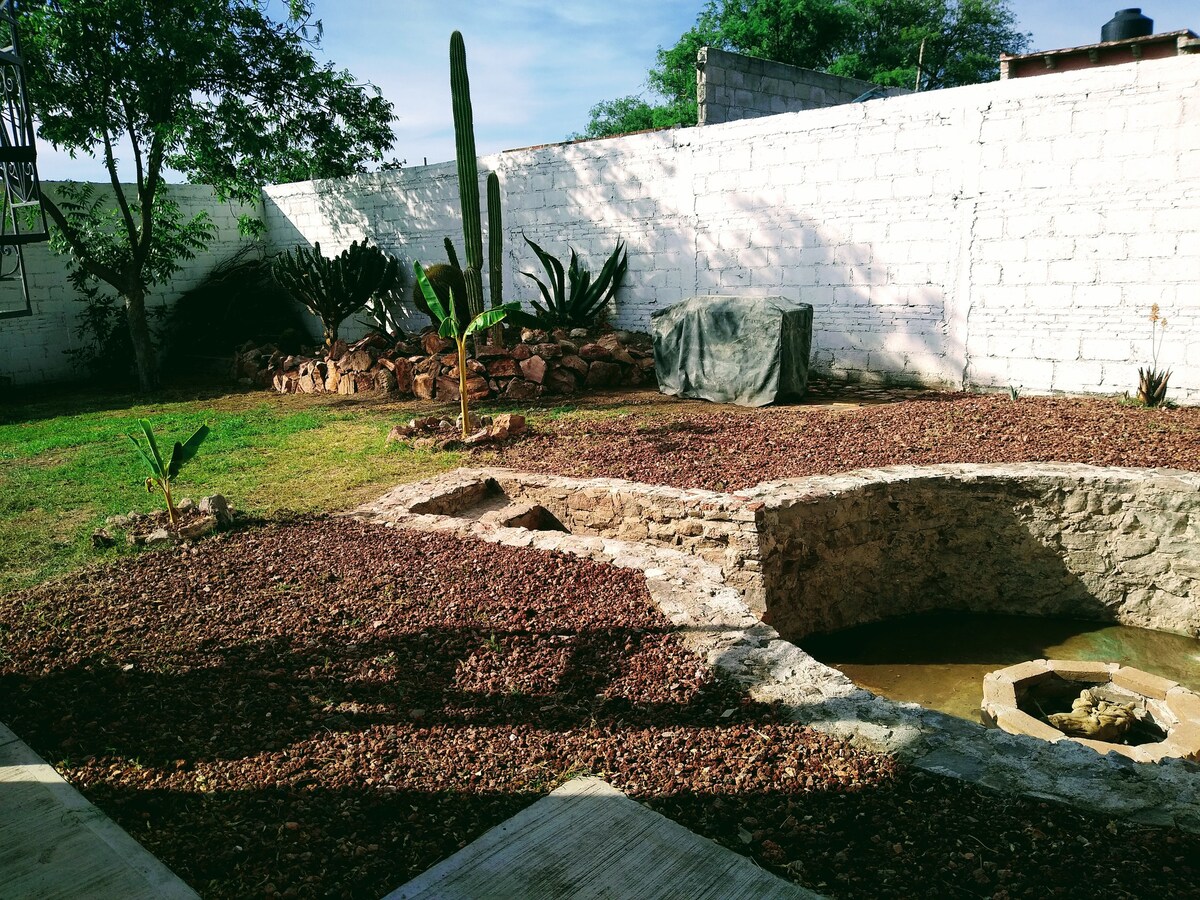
[{"x": 751, "y": 351}]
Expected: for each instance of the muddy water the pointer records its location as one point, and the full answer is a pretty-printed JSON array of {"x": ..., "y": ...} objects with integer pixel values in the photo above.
[{"x": 939, "y": 660}]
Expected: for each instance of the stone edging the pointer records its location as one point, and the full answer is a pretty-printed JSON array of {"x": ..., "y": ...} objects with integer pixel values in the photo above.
[{"x": 716, "y": 623}]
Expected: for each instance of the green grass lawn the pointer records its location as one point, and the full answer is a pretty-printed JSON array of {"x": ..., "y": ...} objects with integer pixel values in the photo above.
[{"x": 65, "y": 465}]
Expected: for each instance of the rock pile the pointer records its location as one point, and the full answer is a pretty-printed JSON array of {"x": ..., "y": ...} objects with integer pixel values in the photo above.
[
  {"x": 154, "y": 529},
  {"x": 558, "y": 363},
  {"x": 438, "y": 433}
]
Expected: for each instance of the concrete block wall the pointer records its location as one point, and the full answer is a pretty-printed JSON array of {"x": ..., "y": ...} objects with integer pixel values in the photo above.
[
  {"x": 1013, "y": 233},
  {"x": 1010, "y": 233},
  {"x": 33, "y": 349},
  {"x": 731, "y": 86}
]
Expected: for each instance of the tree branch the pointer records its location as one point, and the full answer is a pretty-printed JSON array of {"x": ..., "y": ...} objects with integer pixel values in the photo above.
[
  {"x": 97, "y": 270},
  {"x": 110, "y": 163},
  {"x": 137, "y": 148},
  {"x": 141, "y": 252}
]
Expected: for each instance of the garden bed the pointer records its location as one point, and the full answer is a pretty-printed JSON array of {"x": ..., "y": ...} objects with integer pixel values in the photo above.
[
  {"x": 719, "y": 448},
  {"x": 326, "y": 707}
]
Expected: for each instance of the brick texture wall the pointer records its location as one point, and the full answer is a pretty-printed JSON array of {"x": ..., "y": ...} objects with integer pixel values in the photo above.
[
  {"x": 33, "y": 349},
  {"x": 1013, "y": 233}
]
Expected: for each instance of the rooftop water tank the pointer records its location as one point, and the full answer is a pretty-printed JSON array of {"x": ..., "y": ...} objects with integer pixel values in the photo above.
[{"x": 1127, "y": 23}]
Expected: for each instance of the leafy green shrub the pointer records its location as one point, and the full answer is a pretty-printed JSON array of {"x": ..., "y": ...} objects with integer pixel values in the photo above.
[
  {"x": 583, "y": 304},
  {"x": 332, "y": 288}
]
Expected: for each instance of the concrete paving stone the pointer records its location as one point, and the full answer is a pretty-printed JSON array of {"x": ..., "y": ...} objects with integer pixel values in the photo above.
[
  {"x": 54, "y": 845},
  {"x": 588, "y": 840}
]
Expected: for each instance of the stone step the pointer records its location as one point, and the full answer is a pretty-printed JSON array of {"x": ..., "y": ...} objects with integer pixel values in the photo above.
[
  {"x": 54, "y": 844},
  {"x": 587, "y": 839}
]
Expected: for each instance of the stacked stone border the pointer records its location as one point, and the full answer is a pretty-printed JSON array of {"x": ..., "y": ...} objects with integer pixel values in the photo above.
[{"x": 688, "y": 579}]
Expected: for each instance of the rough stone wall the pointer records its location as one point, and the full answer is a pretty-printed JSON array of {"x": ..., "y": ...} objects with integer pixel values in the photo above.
[
  {"x": 731, "y": 86},
  {"x": 33, "y": 348},
  {"x": 1101, "y": 544},
  {"x": 716, "y": 623},
  {"x": 1007, "y": 233},
  {"x": 715, "y": 527}
]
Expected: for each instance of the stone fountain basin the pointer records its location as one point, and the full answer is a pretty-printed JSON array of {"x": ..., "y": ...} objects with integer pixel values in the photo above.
[{"x": 1172, "y": 707}]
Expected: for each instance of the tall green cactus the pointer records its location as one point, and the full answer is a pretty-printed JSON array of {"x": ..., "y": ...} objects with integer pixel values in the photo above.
[
  {"x": 334, "y": 287},
  {"x": 495, "y": 239},
  {"x": 495, "y": 252},
  {"x": 451, "y": 253},
  {"x": 468, "y": 172}
]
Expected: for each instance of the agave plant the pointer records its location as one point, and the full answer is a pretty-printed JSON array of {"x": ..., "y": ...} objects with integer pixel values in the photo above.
[
  {"x": 163, "y": 473},
  {"x": 582, "y": 304},
  {"x": 1152, "y": 381},
  {"x": 450, "y": 328}
]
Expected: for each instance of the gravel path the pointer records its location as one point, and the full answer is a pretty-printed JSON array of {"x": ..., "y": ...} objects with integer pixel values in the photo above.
[
  {"x": 731, "y": 449},
  {"x": 326, "y": 708}
]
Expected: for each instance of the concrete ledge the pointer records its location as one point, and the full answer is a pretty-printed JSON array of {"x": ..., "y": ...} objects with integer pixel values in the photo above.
[
  {"x": 54, "y": 844},
  {"x": 587, "y": 839}
]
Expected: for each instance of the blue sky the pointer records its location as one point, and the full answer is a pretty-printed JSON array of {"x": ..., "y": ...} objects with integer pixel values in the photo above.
[{"x": 537, "y": 67}]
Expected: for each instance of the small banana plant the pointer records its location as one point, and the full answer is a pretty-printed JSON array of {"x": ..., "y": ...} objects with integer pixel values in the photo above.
[
  {"x": 449, "y": 328},
  {"x": 164, "y": 473}
]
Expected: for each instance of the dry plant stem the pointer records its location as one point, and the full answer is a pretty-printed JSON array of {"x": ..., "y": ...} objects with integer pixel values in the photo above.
[{"x": 462, "y": 382}]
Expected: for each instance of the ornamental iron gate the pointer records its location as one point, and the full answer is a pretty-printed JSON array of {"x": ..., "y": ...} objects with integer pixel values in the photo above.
[{"x": 22, "y": 218}]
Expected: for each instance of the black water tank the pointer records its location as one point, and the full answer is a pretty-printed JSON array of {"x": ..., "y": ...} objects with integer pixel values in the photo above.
[{"x": 1127, "y": 23}]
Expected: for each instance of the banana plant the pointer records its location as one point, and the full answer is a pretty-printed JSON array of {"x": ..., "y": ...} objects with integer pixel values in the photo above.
[
  {"x": 449, "y": 328},
  {"x": 164, "y": 473}
]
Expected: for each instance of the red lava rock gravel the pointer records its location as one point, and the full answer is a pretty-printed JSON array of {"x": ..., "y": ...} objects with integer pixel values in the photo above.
[
  {"x": 726, "y": 449},
  {"x": 327, "y": 708}
]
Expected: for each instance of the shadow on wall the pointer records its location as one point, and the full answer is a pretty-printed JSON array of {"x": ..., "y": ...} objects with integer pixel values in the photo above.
[
  {"x": 700, "y": 214},
  {"x": 850, "y": 557},
  {"x": 407, "y": 213}
]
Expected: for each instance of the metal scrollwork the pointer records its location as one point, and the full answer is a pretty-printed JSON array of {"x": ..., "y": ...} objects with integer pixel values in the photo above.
[{"x": 22, "y": 218}]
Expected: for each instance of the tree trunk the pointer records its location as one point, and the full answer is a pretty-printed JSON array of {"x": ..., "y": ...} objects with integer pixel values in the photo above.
[{"x": 139, "y": 335}]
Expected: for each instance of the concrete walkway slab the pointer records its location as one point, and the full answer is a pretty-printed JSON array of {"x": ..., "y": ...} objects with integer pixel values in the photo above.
[
  {"x": 587, "y": 840},
  {"x": 54, "y": 844}
]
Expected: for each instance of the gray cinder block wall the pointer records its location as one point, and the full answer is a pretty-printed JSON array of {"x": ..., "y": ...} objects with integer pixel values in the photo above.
[
  {"x": 33, "y": 349},
  {"x": 1012, "y": 233},
  {"x": 731, "y": 86}
]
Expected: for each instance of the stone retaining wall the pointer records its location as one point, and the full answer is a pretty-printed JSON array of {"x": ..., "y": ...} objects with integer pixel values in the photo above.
[
  {"x": 1104, "y": 544},
  {"x": 715, "y": 622},
  {"x": 817, "y": 554}
]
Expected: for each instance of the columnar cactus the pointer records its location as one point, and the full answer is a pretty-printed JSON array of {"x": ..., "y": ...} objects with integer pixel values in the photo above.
[
  {"x": 495, "y": 239},
  {"x": 468, "y": 172},
  {"x": 495, "y": 251}
]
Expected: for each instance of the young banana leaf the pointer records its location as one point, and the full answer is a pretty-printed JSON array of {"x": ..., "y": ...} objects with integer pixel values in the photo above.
[{"x": 183, "y": 453}]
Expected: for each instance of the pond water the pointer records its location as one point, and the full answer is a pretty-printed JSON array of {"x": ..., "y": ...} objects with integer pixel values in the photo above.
[{"x": 939, "y": 660}]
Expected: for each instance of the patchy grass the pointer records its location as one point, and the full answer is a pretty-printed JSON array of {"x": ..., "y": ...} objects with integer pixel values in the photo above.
[{"x": 65, "y": 465}]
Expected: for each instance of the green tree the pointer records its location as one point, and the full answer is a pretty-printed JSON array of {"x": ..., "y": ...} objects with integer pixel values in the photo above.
[
  {"x": 215, "y": 89},
  {"x": 874, "y": 40}
]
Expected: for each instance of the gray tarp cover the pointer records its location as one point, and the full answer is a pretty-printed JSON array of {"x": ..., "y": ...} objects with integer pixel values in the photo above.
[{"x": 746, "y": 350}]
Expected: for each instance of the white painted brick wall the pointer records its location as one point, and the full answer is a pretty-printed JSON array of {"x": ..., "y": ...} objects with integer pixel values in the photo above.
[
  {"x": 33, "y": 349},
  {"x": 1009, "y": 233}
]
